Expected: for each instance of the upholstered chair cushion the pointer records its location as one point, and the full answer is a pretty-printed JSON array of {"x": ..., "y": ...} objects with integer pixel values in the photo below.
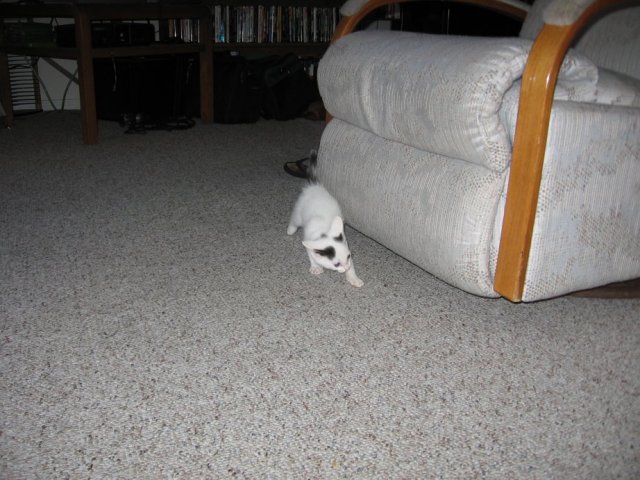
[{"x": 433, "y": 92}]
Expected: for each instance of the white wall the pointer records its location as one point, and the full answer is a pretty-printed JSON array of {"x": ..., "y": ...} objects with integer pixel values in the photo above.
[{"x": 56, "y": 83}]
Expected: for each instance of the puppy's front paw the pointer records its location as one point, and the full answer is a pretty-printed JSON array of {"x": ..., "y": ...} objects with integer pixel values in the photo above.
[
  {"x": 355, "y": 281},
  {"x": 316, "y": 269}
]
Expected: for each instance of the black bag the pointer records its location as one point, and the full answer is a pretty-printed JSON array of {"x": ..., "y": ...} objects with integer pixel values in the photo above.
[
  {"x": 275, "y": 87},
  {"x": 287, "y": 88},
  {"x": 237, "y": 89}
]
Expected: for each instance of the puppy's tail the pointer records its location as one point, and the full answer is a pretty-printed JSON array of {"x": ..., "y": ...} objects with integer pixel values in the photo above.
[{"x": 311, "y": 168}]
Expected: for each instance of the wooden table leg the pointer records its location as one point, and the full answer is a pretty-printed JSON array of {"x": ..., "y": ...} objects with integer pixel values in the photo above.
[
  {"x": 5, "y": 90},
  {"x": 85, "y": 78}
]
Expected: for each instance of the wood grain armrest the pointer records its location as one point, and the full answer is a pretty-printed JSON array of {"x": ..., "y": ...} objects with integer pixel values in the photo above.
[
  {"x": 348, "y": 22},
  {"x": 536, "y": 98}
]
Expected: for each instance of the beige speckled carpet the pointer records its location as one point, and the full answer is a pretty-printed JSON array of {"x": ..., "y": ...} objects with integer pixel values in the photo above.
[{"x": 158, "y": 323}]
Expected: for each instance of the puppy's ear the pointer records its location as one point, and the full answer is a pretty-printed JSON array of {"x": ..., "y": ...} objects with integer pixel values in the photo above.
[
  {"x": 337, "y": 227},
  {"x": 313, "y": 244}
]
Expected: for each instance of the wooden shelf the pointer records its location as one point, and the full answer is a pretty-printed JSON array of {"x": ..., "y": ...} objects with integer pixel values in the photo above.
[
  {"x": 72, "y": 53},
  {"x": 314, "y": 49},
  {"x": 104, "y": 11},
  {"x": 284, "y": 3},
  {"x": 84, "y": 53}
]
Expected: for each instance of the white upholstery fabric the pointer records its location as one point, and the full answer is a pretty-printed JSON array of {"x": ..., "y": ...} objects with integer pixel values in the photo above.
[
  {"x": 587, "y": 229},
  {"x": 535, "y": 18},
  {"x": 396, "y": 84},
  {"x": 444, "y": 214},
  {"x": 350, "y": 7},
  {"x": 612, "y": 42},
  {"x": 616, "y": 89},
  {"x": 612, "y": 88},
  {"x": 564, "y": 12},
  {"x": 419, "y": 148},
  {"x": 437, "y": 212}
]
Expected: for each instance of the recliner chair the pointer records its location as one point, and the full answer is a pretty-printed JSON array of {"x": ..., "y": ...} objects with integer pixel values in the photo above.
[{"x": 504, "y": 166}]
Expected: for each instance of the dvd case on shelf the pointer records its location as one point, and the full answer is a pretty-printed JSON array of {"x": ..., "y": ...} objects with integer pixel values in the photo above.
[
  {"x": 262, "y": 24},
  {"x": 184, "y": 29},
  {"x": 273, "y": 24}
]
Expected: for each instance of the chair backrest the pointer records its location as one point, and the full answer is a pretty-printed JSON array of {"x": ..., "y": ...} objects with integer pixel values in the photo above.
[{"x": 612, "y": 42}]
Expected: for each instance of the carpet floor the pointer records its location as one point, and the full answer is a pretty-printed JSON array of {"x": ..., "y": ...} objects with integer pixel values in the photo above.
[{"x": 157, "y": 322}]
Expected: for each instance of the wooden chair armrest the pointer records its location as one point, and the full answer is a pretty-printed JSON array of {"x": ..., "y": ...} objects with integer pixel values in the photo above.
[
  {"x": 348, "y": 23},
  {"x": 536, "y": 98}
]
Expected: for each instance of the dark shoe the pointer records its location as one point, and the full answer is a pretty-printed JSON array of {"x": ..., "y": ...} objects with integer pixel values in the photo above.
[{"x": 297, "y": 168}]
